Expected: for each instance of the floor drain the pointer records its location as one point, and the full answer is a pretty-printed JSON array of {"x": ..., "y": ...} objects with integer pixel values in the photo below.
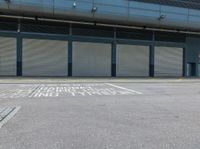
[{"x": 7, "y": 113}]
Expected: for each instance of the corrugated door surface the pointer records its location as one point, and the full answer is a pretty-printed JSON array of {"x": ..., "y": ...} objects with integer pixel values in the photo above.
[
  {"x": 168, "y": 61},
  {"x": 8, "y": 56},
  {"x": 45, "y": 57},
  {"x": 132, "y": 60},
  {"x": 91, "y": 59}
]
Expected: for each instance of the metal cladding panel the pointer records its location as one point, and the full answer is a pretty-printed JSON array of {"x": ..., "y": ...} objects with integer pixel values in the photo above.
[
  {"x": 33, "y": 6},
  {"x": 91, "y": 59},
  {"x": 66, "y": 8},
  {"x": 168, "y": 61},
  {"x": 107, "y": 9},
  {"x": 8, "y": 56},
  {"x": 45, "y": 57},
  {"x": 132, "y": 60},
  {"x": 193, "y": 50},
  {"x": 177, "y": 15}
]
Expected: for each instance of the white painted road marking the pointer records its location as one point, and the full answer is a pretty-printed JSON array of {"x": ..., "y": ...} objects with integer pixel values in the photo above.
[
  {"x": 67, "y": 90},
  {"x": 123, "y": 88},
  {"x": 9, "y": 115}
]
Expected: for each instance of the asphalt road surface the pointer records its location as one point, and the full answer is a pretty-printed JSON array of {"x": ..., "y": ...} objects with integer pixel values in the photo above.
[{"x": 107, "y": 115}]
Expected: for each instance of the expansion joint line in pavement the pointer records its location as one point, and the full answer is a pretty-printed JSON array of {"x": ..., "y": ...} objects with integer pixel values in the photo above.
[{"x": 9, "y": 115}]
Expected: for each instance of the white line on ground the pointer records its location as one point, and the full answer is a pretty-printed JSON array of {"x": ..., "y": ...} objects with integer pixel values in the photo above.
[
  {"x": 130, "y": 90},
  {"x": 12, "y": 114}
]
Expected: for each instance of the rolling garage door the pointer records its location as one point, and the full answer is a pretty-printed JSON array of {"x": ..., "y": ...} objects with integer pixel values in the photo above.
[
  {"x": 7, "y": 56},
  {"x": 91, "y": 59},
  {"x": 132, "y": 60},
  {"x": 45, "y": 57},
  {"x": 168, "y": 61}
]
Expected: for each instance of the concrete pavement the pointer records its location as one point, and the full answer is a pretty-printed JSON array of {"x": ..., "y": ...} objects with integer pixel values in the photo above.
[{"x": 165, "y": 115}]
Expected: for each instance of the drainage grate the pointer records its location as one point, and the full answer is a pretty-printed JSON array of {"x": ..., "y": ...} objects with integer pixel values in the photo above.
[{"x": 7, "y": 113}]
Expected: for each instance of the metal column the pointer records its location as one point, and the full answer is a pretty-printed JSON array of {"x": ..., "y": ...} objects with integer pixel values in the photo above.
[
  {"x": 151, "y": 61},
  {"x": 113, "y": 59},
  {"x": 19, "y": 51}
]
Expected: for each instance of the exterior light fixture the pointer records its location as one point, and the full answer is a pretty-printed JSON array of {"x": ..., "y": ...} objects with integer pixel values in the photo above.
[
  {"x": 161, "y": 17},
  {"x": 74, "y": 4},
  {"x": 94, "y": 9}
]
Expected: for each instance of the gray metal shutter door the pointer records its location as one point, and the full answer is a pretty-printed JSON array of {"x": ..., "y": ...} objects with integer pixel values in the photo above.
[
  {"x": 132, "y": 60},
  {"x": 91, "y": 59},
  {"x": 45, "y": 57},
  {"x": 8, "y": 56},
  {"x": 168, "y": 61}
]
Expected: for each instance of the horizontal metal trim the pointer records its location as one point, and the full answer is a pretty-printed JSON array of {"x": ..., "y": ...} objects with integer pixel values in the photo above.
[
  {"x": 8, "y": 33},
  {"x": 169, "y": 44},
  {"x": 92, "y": 39},
  {"x": 133, "y": 42},
  {"x": 44, "y": 36}
]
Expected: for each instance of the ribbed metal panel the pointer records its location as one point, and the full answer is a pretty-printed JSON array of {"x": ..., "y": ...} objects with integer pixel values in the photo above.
[
  {"x": 45, "y": 57},
  {"x": 7, "y": 56},
  {"x": 132, "y": 60},
  {"x": 91, "y": 59},
  {"x": 168, "y": 61}
]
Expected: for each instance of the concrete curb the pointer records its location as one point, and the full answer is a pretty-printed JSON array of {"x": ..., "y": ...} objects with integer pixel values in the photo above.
[{"x": 38, "y": 80}]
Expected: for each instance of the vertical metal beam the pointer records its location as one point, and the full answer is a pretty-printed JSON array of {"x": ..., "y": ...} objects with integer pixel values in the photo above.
[
  {"x": 70, "y": 52},
  {"x": 151, "y": 61},
  {"x": 114, "y": 46},
  {"x": 197, "y": 70},
  {"x": 184, "y": 62},
  {"x": 197, "y": 63},
  {"x": 19, "y": 52},
  {"x": 152, "y": 57},
  {"x": 70, "y": 58},
  {"x": 113, "y": 54}
]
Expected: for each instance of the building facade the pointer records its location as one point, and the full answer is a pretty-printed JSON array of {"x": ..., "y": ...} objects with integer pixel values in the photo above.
[{"x": 116, "y": 38}]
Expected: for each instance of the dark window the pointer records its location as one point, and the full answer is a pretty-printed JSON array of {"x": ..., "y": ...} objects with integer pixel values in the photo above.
[
  {"x": 134, "y": 34},
  {"x": 8, "y": 24},
  {"x": 169, "y": 37},
  {"x": 44, "y": 27},
  {"x": 92, "y": 30}
]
